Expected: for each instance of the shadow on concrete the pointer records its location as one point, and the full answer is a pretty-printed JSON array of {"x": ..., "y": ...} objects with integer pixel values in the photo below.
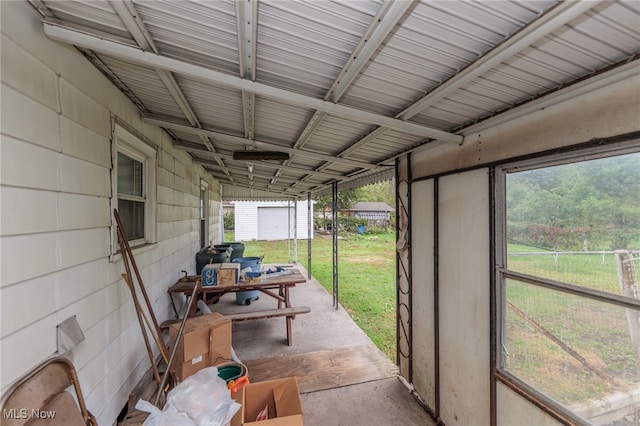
[{"x": 344, "y": 378}]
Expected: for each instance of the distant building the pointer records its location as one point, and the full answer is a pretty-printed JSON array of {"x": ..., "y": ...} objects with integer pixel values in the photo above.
[
  {"x": 271, "y": 220},
  {"x": 372, "y": 211}
]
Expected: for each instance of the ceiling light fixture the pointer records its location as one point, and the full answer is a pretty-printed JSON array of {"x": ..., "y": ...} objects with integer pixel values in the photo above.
[{"x": 253, "y": 155}]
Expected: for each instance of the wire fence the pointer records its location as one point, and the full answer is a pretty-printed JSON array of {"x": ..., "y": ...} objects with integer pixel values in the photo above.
[{"x": 592, "y": 269}]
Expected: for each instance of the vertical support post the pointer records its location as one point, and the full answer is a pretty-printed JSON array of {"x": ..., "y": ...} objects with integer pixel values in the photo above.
[
  {"x": 404, "y": 312},
  {"x": 295, "y": 230},
  {"x": 436, "y": 292},
  {"x": 289, "y": 231},
  {"x": 309, "y": 233},
  {"x": 397, "y": 230},
  {"x": 221, "y": 216},
  {"x": 334, "y": 206},
  {"x": 629, "y": 287}
]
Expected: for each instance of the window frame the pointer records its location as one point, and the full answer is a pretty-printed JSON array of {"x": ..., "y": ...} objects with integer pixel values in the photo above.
[
  {"x": 204, "y": 213},
  {"x": 502, "y": 273},
  {"x": 138, "y": 148}
]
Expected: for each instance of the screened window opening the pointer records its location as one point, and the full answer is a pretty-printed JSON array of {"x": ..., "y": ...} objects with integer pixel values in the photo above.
[
  {"x": 131, "y": 200},
  {"x": 570, "y": 299},
  {"x": 204, "y": 214}
]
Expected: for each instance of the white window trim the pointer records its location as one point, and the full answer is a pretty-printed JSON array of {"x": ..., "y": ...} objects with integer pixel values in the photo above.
[
  {"x": 129, "y": 144},
  {"x": 204, "y": 186}
]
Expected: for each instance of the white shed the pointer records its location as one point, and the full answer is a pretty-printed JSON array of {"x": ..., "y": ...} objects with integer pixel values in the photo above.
[{"x": 271, "y": 220}]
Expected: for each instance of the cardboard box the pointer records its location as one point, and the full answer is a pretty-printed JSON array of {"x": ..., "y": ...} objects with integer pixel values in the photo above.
[
  {"x": 222, "y": 274},
  {"x": 282, "y": 397},
  {"x": 206, "y": 341},
  {"x": 209, "y": 274},
  {"x": 229, "y": 273}
]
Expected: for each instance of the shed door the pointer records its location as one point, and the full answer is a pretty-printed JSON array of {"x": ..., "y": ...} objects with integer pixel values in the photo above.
[{"x": 272, "y": 223}]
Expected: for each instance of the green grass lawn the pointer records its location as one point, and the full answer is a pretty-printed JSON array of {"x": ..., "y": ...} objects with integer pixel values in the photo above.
[
  {"x": 596, "y": 331},
  {"x": 366, "y": 271}
]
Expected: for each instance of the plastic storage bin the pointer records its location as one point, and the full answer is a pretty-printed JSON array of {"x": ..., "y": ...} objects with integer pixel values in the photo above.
[{"x": 246, "y": 297}]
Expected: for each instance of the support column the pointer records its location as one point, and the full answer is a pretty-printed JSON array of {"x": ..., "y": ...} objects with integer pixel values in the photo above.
[
  {"x": 310, "y": 224},
  {"x": 334, "y": 228}
]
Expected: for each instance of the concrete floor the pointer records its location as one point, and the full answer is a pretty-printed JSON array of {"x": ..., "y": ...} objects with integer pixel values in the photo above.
[{"x": 381, "y": 402}]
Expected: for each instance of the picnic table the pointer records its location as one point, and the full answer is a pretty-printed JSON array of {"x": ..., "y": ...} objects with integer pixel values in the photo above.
[{"x": 276, "y": 286}]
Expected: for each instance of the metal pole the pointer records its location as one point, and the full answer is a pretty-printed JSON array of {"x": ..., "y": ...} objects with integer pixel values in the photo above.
[
  {"x": 289, "y": 231},
  {"x": 175, "y": 346},
  {"x": 140, "y": 314},
  {"x": 335, "y": 243},
  {"x": 309, "y": 233},
  {"x": 126, "y": 251},
  {"x": 295, "y": 230}
]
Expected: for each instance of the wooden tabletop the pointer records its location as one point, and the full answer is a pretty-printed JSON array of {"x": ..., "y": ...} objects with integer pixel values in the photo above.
[{"x": 266, "y": 281}]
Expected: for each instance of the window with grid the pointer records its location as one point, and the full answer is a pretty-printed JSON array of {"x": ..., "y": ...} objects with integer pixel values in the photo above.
[
  {"x": 134, "y": 187},
  {"x": 204, "y": 213},
  {"x": 569, "y": 309}
]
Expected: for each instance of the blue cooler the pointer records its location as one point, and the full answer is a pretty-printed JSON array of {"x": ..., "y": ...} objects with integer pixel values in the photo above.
[
  {"x": 246, "y": 297},
  {"x": 210, "y": 274}
]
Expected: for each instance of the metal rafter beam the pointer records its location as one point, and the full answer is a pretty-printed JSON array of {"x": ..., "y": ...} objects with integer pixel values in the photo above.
[
  {"x": 243, "y": 171},
  {"x": 129, "y": 16},
  {"x": 390, "y": 13},
  {"x": 249, "y": 113},
  {"x": 196, "y": 150},
  {"x": 240, "y": 141},
  {"x": 276, "y": 188},
  {"x": 364, "y": 140},
  {"x": 545, "y": 24},
  {"x": 548, "y": 22},
  {"x": 247, "y": 181},
  {"x": 286, "y": 192},
  {"x": 388, "y": 16},
  {"x": 249, "y": 186},
  {"x": 247, "y": 29},
  {"x": 311, "y": 127},
  {"x": 135, "y": 55}
]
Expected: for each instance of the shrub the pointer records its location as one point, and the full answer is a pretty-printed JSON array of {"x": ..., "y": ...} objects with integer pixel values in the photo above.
[{"x": 229, "y": 220}]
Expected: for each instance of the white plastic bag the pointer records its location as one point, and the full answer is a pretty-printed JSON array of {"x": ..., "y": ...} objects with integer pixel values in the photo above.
[
  {"x": 202, "y": 399},
  {"x": 167, "y": 417},
  {"x": 205, "y": 398}
]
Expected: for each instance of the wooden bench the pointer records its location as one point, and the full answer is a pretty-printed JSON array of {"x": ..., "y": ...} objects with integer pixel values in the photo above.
[{"x": 290, "y": 313}]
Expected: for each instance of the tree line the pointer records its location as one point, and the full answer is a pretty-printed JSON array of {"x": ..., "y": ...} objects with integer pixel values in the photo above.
[
  {"x": 376, "y": 192},
  {"x": 590, "y": 205}
]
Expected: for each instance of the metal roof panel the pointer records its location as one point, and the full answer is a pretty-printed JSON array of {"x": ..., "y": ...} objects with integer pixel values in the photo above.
[
  {"x": 417, "y": 63},
  {"x": 200, "y": 32}
]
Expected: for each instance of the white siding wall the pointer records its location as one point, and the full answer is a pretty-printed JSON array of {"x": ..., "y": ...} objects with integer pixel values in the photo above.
[
  {"x": 55, "y": 189},
  {"x": 246, "y": 219}
]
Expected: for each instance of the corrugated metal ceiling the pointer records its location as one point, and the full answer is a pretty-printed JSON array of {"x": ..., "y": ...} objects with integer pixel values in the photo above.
[{"x": 345, "y": 87}]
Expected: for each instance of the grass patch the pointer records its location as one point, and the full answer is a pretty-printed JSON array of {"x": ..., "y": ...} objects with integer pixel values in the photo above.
[
  {"x": 596, "y": 331},
  {"x": 366, "y": 272}
]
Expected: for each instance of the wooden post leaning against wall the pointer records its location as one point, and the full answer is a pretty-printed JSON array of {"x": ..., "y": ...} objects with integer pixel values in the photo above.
[{"x": 628, "y": 280}]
